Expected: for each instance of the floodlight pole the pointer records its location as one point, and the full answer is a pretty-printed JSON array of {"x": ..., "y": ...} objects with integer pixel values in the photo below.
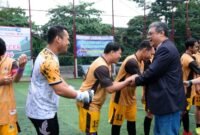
[
  {"x": 113, "y": 27},
  {"x": 113, "y": 34},
  {"x": 30, "y": 26},
  {"x": 188, "y": 33},
  {"x": 144, "y": 29},
  {"x": 74, "y": 40}
]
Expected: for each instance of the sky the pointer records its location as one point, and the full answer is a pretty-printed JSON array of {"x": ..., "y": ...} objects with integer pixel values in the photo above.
[{"x": 124, "y": 10}]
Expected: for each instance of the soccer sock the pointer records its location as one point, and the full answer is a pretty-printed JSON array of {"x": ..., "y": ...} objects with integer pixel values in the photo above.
[
  {"x": 185, "y": 119},
  {"x": 147, "y": 125},
  {"x": 115, "y": 130},
  {"x": 131, "y": 127}
]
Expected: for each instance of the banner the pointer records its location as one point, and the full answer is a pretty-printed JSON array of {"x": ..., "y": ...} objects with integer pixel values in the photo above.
[
  {"x": 17, "y": 41},
  {"x": 91, "y": 46}
]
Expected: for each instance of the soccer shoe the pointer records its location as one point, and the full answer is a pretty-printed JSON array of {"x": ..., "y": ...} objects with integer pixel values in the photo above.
[{"x": 197, "y": 131}]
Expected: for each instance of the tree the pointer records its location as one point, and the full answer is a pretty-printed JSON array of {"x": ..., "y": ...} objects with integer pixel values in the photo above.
[
  {"x": 13, "y": 17},
  {"x": 88, "y": 22},
  {"x": 165, "y": 10},
  {"x": 134, "y": 33},
  {"x": 180, "y": 22},
  {"x": 88, "y": 19},
  {"x": 143, "y": 3},
  {"x": 159, "y": 9},
  {"x": 17, "y": 17}
]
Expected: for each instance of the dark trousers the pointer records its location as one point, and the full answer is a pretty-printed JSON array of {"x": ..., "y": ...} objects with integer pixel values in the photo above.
[{"x": 46, "y": 126}]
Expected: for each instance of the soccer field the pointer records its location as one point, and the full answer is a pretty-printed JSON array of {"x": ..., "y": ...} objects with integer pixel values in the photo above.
[{"x": 68, "y": 114}]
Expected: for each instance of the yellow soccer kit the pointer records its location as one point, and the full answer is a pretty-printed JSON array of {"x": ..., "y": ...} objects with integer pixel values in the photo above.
[
  {"x": 9, "y": 129},
  {"x": 8, "y": 112},
  {"x": 197, "y": 86},
  {"x": 117, "y": 113},
  {"x": 188, "y": 74},
  {"x": 123, "y": 102},
  {"x": 97, "y": 78},
  {"x": 88, "y": 120}
]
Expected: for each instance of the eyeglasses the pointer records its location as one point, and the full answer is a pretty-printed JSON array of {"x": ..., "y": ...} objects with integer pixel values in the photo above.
[{"x": 151, "y": 33}]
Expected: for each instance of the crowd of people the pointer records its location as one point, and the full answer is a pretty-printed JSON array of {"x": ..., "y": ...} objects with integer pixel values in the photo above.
[{"x": 170, "y": 85}]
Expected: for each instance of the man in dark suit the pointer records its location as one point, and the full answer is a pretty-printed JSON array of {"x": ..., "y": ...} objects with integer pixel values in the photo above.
[{"x": 165, "y": 93}]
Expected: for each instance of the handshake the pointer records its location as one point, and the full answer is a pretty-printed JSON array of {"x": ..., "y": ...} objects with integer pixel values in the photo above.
[
  {"x": 131, "y": 79},
  {"x": 85, "y": 96}
]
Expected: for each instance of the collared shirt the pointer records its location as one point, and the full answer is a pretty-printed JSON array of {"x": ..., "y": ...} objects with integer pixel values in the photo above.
[
  {"x": 42, "y": 101},
  {"x": 160, "y": 44}
]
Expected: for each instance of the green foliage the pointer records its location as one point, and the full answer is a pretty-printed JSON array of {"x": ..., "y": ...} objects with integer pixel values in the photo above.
[
  {"x": 180, "y": 22},
  {"x": 87, "y": 19},
  {"x": 134, "y": 34},
  {"x": 194, "y": 18},
  {"x": 121, "y": 38},
  {"x": 135, "y": 31},
  {"x": 38, "y": 44},
  {"x": 141, "y": 3},
  {"x": 13, "y": 17},
  {"x": 162, "y": 10},
  {"x": 88, "y": 22},
  {"x": 17, "y": 17}
]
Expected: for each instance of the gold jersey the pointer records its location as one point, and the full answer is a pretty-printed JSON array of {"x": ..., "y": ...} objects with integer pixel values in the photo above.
[
  {"x": 8, "y": 112},
  {"x": 97, "y": 78},
  {"x": 129, "y": 66},
  {"x": 188, "y": 74}
]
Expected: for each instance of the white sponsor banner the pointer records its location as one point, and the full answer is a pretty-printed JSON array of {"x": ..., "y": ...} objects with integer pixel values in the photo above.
[
  {"x": 91, "y": 46},
  {"x": 17, "y": 40}
]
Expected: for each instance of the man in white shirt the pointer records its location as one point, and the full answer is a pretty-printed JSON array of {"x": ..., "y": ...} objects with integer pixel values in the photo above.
[{"x": 47, "y": 85}]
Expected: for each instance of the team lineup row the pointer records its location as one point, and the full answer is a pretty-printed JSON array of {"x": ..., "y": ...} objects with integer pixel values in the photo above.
[{"x": 156, "y": 65}]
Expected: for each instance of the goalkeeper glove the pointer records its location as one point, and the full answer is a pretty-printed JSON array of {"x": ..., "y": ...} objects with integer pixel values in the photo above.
[{"x": 85, "y": 96}]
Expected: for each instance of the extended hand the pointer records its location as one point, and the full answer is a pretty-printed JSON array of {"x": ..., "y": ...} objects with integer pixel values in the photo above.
[
  {"x": 22, "y": 60},
  {"x": 6, "y": 80},
  {"x": 186, "y": 83},
  {"x": 132, "y": 82}
]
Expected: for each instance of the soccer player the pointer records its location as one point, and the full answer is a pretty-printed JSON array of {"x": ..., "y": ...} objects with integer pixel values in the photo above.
[
  {"x": 197, "y": 94},
  {"x": 149, "y": 116},
  {"x": 189, "y": 67},
  {"x": 10, "y": 71},
  {"x": 123, "y": 103},
  {"x": 47, "y": 85},
  {"x": 99, "y": 79}
]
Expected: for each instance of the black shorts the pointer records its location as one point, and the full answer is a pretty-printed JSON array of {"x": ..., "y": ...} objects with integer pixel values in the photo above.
[{"x": 46, "y": 126}]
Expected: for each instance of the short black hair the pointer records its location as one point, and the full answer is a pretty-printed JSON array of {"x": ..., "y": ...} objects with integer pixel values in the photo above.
[
  {"x": 145, "y": 44},
  {"x": 2, "y": 47},
  {"x": 54, "y": 31},
  {"x": 190, "y": 42},
  {"x": 160, "y": 26},
  {"x": 112, "y": 46}
]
